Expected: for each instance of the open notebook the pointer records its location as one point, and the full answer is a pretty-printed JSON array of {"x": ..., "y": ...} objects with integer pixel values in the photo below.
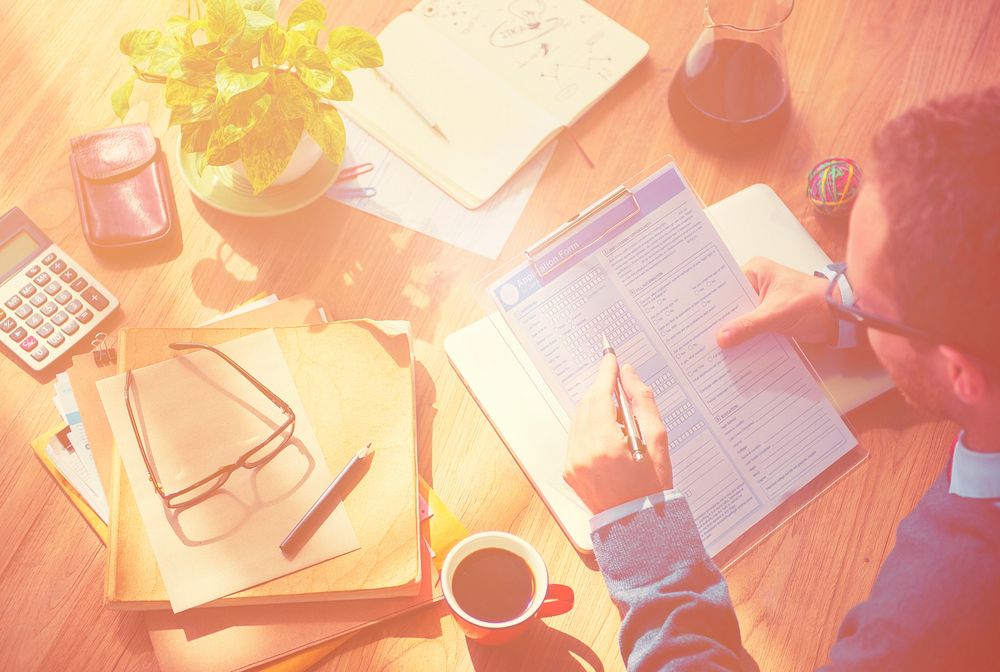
[{"x": 499, "y": 78}]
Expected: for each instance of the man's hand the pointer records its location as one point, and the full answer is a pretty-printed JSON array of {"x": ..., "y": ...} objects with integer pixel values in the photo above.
[
  {"x": 599, "y": 466},
  {"x": 791, "y": 303}
]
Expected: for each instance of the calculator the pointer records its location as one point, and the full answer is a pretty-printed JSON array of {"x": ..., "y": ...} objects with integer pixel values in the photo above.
[{"x": 48, "y": 302}]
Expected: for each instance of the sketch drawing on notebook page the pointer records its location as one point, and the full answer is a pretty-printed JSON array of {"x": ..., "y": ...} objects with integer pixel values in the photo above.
[{"x": 563, "y": 47}]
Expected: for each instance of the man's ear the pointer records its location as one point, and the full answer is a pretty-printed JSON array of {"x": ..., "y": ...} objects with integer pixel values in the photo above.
[{"x": 968, "y": 377}]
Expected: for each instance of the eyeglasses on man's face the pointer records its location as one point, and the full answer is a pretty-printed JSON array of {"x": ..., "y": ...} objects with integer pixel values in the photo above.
[
  {"x": 869, "y": 320},
  {"x": 260, "y": 454}
]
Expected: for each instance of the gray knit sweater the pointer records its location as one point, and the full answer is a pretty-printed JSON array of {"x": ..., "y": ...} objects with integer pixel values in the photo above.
[{"x": 935, "y": 604}]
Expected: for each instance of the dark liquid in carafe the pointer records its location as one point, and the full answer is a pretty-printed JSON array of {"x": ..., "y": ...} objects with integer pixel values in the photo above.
[
  {"x": 737, "y": 98},
  {"x": 493, "y": 585}
]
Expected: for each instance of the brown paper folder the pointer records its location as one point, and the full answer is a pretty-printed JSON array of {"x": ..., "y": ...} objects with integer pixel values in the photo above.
[{"x": 356, "y": 381}]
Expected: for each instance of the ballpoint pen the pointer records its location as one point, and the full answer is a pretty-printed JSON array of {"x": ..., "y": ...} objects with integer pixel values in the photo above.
[
  {"x": 308, "y": 522},
  {"x": 410, "y": 101},
  {"x": 636, "y": 445}
]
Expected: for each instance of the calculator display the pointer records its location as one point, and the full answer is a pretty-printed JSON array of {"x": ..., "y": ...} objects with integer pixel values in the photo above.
[{"x": 14, "y": 250}]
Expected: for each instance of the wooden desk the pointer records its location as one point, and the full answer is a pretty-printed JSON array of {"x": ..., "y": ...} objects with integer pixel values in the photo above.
[{"x": 853, "y": 64}]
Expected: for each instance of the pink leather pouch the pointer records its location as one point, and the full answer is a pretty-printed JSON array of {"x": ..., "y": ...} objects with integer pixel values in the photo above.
[{"x": 122, "y": 186}]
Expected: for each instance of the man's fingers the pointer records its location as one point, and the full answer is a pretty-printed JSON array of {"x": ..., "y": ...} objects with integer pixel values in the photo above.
[
  {"x": 643, "y": 405},
  {"x": 650, "y": 424},
  {"x": 756, "y": 269},
  {"x": 599, "y": 402},
  {"x": 743, "y": 328},
  {"x": 607, "y": 374}
]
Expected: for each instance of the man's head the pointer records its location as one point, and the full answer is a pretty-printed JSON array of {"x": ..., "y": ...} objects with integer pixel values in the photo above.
[{"x": 924, "y": 249}]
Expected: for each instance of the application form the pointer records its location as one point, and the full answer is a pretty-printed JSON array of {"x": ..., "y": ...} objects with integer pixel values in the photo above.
[{"x": 748, "y": 426}]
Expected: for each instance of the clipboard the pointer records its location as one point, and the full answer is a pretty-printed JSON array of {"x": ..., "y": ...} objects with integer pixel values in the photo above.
[{"x": 531, "y": 421}]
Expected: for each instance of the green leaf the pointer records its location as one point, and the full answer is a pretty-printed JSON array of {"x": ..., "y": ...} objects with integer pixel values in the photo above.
[
  {"x": 232, "y": 81},
  {"x": 238, "y": 116},
  {"x": 138, "y": 44},
  {"x": 292, "y": 98},
  {"x": 307, "y": 10},
  {"x": 267, "y": 149},
  {"x": 327, "y": 129},
  {"x": 120, "y": 98},
  {"x": 194, "y": 136},
  {"x": 272, "y": 47},
  {"x": 166, "y": 59},
  {"x": 186, "y": 114},
  {"x": 178, "y": 92},
  {"x": 257, "y": 25},
  {"x": 351, "y": 48},
  {"x": 224, "y": 21},
  {"x": 222, "y": 149},
  {"x": 182, "y": 26},
  {"x": 266, "y": 7},
  {"x": 309, "y": 30},
  {"x": 199, "y": 65},
  {"x": 314, "y": 68}
]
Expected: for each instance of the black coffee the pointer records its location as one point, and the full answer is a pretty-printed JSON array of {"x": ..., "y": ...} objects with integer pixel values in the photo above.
[
  {"x": 493, "y": 585},
  {"x": 738, "y": 97}
]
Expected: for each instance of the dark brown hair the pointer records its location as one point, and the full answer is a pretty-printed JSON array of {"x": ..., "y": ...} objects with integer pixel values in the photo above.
[{"x": 937, "y": 167}]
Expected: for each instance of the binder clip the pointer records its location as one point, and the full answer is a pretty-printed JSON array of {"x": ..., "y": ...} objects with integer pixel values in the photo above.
[{"x": 103, "y": 355}]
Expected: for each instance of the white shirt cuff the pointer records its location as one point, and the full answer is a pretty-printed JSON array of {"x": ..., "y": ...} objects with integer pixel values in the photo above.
[{"x": 615, "y": 513}]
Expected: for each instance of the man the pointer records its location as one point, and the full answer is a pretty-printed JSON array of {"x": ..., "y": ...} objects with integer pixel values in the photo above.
[{"x": 923, "y": 260}]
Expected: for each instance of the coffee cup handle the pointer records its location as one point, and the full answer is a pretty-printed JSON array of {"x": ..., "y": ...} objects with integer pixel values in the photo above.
[{"x": 558, "y": 600}]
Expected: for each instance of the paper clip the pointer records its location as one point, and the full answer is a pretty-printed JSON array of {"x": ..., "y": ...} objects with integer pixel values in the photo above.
[
  {"x": 103, "y": 355},
  {"x": 360, "y": 192},
  {"x": 352, "y": 172}
]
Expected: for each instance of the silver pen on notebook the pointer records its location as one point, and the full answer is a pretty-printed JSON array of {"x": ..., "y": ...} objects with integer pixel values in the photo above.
[
  {"x": 410, "y": 101},
  {"x": 633, "y": 437},
  {"x": 308, "y": 522}
]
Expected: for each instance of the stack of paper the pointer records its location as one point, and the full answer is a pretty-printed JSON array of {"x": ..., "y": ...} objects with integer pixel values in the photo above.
[{"x": 255, "y": 635}]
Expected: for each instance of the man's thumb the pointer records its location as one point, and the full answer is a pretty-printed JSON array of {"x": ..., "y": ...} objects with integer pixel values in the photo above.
[{"x": 745, "y": 327}]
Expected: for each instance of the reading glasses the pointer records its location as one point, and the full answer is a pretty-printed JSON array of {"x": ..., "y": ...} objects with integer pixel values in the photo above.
[
  {"x": 257, "y": 456},
  {"x": 869, "y": 320}
]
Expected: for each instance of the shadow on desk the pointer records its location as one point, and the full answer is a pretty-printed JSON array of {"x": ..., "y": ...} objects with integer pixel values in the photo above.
[
  {"x": 540, "y": 648},
  {"x": 366, "y": 267}
]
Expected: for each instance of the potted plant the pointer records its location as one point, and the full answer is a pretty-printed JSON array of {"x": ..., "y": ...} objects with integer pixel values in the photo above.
[{"x": 248, "y": 91}]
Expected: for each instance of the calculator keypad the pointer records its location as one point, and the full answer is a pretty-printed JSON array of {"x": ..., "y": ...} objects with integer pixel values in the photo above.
[{"x": 49, "y": 307}]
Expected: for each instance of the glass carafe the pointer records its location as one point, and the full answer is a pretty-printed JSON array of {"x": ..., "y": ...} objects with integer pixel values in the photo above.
[{"x": 731, "y": 90}]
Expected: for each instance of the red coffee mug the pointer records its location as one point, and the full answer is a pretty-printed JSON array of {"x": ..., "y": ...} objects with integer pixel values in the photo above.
[{"x": 546, "y": 600}]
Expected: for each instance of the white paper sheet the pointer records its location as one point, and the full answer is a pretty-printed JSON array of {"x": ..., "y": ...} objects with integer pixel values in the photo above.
[
  {"x": 748, "y": 426},
  {"x": 409, "y": 199},
  {"x": 196, "y": 414},
  {"x": 93, "y": 491}
]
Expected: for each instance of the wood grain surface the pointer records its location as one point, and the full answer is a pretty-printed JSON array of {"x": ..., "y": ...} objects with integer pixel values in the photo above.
[{"x": 853, "y": 64}]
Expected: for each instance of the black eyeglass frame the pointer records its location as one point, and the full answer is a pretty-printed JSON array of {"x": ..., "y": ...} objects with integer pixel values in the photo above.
[
  {"x": 221, "y": 475},
  {"x": 863, "y": 318}
]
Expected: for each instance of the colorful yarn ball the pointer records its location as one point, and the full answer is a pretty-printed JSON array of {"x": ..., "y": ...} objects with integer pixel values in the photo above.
[{"x": 833, "y": 185}]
